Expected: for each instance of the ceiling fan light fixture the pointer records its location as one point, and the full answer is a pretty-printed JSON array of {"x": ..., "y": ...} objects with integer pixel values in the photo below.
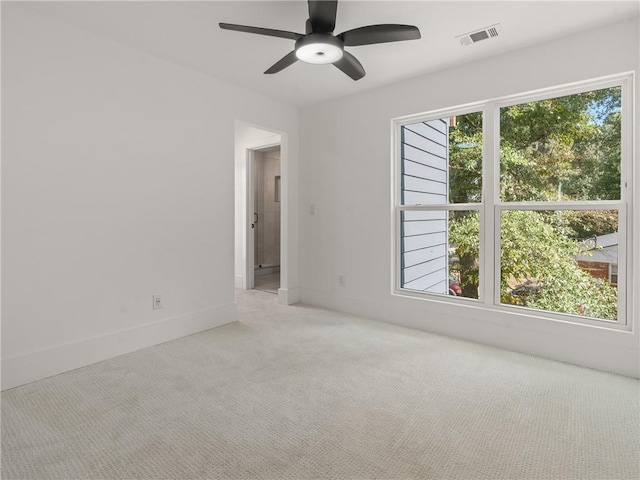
[{"x": 319, "y": 48}]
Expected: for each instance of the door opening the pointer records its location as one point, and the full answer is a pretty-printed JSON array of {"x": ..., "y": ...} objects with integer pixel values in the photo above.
[
  {"x": 254, "y": 144},
  {"x": 266, "y": 188}
]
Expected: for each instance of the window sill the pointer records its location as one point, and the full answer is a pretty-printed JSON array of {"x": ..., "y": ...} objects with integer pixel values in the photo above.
[{"x": 511, "y": 316}]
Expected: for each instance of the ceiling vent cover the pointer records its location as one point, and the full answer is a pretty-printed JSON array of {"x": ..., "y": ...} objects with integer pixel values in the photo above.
[{"x": 479, "y": 35}]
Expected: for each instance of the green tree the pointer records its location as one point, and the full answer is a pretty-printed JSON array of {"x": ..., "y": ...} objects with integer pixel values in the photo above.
[
  {"x": 563, "y": 148},
  {"x": 566, "y": 146},
  {"x": 537, "y": 266},
  {"x": 465, "y": 186},
  {"x": 538, "y": 269}
]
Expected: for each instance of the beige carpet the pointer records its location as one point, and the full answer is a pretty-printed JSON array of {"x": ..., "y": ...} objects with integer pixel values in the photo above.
[{"x": 303, "y": 393}]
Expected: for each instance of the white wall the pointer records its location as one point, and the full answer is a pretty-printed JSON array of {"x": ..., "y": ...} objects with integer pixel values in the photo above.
[
  {"x": 117, "y": 184},
  {"x": 345, "y": 170}
]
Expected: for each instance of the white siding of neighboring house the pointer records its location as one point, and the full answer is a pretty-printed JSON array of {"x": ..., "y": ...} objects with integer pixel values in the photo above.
[{"x": 425, "y": 163}]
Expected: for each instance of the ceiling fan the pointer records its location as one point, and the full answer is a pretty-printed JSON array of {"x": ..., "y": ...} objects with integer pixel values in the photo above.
[{"x": 319, "y": 46}]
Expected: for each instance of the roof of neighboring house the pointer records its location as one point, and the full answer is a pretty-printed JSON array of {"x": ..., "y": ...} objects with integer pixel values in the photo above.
[{"x": 601, "y": 248}]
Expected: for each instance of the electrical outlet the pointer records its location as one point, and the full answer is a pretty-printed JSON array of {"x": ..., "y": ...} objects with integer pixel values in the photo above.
[
  {"x": 341, "y": 280},
  {"x": 157, "y": 302}
]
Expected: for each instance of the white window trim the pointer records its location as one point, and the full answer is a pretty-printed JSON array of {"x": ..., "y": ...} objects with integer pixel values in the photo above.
[{"x": 489, "y": 293}]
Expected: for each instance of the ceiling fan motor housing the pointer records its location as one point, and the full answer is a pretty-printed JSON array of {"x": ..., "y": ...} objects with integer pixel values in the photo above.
[{"x": 319, "y": 48}]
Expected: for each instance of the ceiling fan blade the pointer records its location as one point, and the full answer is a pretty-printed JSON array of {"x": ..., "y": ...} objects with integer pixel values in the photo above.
[
  {"x": 261, "y": 31},
  {"x": 322, "y": 15},
  {"x": 379, "y": 34},
  {"x": 289, "y": 59},
  {"x": 351, "y": 66}
]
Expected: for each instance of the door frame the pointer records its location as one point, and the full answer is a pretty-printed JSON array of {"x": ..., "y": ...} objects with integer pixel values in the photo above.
[
  {"x": 249, "y": 243},
  {"x": 253, "y": 136}
]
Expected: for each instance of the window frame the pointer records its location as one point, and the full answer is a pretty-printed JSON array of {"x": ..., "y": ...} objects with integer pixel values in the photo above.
[
  {"x": 397, "y": 207},
  {"x": 491, "y": 206}
]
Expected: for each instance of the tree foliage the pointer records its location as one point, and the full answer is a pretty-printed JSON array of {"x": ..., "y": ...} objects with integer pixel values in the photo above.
[
  {"x": 565, "y": 148},
  {"x": 538, "y": 269}
]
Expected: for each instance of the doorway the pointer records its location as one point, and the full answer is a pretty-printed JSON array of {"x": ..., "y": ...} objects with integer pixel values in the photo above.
[
  {"x": 250, "y": 138},
  {"x": 266, "y": 218}
]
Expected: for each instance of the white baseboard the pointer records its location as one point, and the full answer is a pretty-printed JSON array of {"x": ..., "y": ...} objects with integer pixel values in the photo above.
[
  {"x": 33, "y": 366},
  {"x": 288, "y": 296},
  {"x": 592, "y": 347},
  {"x": 238, "y": 281}
]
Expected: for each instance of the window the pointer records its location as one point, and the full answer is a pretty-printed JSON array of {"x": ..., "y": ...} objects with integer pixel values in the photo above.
[
  {"x": 518, "y": 204},
  {"x": 441, "y": 170},
  {"x": 613, "y": 275}
]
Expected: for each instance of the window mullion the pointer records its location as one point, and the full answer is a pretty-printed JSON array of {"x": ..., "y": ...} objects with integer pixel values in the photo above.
[{"x": 487, "y": 215}]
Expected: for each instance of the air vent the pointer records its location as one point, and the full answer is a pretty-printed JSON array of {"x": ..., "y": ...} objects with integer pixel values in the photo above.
[{"x": 479, "y": 35}]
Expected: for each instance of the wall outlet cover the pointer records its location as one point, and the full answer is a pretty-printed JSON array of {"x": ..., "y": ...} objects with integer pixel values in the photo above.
[{"x": 157, "y": 302}]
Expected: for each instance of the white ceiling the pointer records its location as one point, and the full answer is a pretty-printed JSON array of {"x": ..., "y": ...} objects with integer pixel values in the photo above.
[{"x": 187, "y": 33}]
